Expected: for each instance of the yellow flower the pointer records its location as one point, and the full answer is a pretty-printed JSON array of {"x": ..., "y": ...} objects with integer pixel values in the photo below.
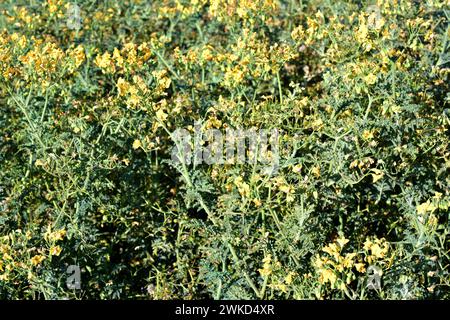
[
  {"x": 234, "y": 76},
  {"x": 425, "y": 207},
  {"x": 362, "y": 33},
  {"x": 37, "y": 259},
  {"x": 367, "y": 135},
  {"x": 289, "y": 192},
  {"x": 342, "y": 241},
  {"x": 207, "y": 54},
  {"x": 339, "y": 267},
  {"x": 213, "y": 122},
  {"x": 377, "y": 251},
  {"x": 433, "y": 220},
  {"x": 58, "y": 235},
  {"x": 123, "y": 86},
  {"x": 267, "y": 258},
  {"x": 163, "y": 81},
  {"x": 370, "y": 79},
  {"x": 288, "y": 279},
  {"x": 134, "y": 100},
  {"x": 243, "y": 187},
  {"x": 137, "y": 144},
  {"x": 22, "y": 42},
  {"x": 140, "y": 83},
  {"x": 55, "y": 235},
  {"x": 130, "y": 49},
  {"x": 105, "y": 63},
  {"x": 437, "y": 195},
  {"x": 327, "y": 275},
  {"x": 360, "y": 267},
  {"x": 368, "y": 245},
  {"x": 266, "y": 269},
  {"x": 118, "y": 58},
  {"x": 348, "y": 260},
  {"x": 332, "y": 250},
  {"x": 257, "y": 202},
  {"x": 55, "y": 251},
  {"x": 6, "y": 256},
  {"x": 316, "y": 171},
  {"x": 77, "y": 55},
  {"x": 298, "y": 33},
  {"x": 377, "y": 175},
  {"x": 297, "y": 168},
  {"x": 317, "y": 125},
  {"x": 318, "y": 262},
  {"x": 282, "y": 287},
  {"x": 161, "y": 115},
  {"x": 52, "y": 6}
]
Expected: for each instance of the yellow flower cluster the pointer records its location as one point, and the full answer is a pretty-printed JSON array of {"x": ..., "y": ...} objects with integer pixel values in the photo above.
[
  {"x": 234, "y": 76},
  {"x": 425, "y": 207},
  {"x": 337, "y": 268},
  {"x": 283, "y": 284},
  {"x": 280, "y": 278},
  {"x": 43, "y": 59},
  {"x": 243, "y": 187},
  {"x": 425, "y": 210},
  {"x": 266, "y": 270},
  {"x": 332, "y": 270},
  {"x": 54, "y": 5},
  {"x": 369, "y": 22},
  {"x": 243, "y": 9},
  {"x": 250, "y": 56},
  {"x": 163, "y": 81},
  {"x": 132, "y": 91},
  {"x": 169, "y": 9},
  {"x": 200, "y": 55},
  {"x": 77, "y": 55},
  {"x": 313, "y": 31},
  {"x": 6, "y": 66},
  {"x": 127, "y": 60},
  {"x": 10, "y": 254},
  {"x": 5, "y": 260},
  {"x": 24, "y": 16},
  {"x": 37, "y": 259},
  {"x": 53, "y": 236},
  {"x": 288, "y": 191},
  {"x": 55, "y": 250},
  {"x": 375, "y": 250}
]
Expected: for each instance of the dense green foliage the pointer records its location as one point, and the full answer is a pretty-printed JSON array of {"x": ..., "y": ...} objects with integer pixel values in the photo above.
[{"x": 357, "y": 90}]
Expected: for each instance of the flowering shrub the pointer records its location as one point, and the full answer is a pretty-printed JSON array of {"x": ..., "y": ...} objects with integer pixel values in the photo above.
[{"x": 92, "y": 92}]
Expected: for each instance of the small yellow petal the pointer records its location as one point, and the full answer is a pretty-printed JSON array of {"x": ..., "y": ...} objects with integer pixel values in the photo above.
[
  {"x": 55, "y": 251},
  {"x": 342, "y": 241},
  {"x": 377, "y": 175},
  {"x": 137, "y": 144}
]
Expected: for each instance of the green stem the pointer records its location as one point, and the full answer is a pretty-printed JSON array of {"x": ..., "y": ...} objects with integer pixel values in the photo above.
[
  {"x": 187, "y": 178},
  {"x": 279, "y": 87}
]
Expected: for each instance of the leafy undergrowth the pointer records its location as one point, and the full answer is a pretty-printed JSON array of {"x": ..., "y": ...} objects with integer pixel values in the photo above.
[{"x": 358, "y": 92}]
